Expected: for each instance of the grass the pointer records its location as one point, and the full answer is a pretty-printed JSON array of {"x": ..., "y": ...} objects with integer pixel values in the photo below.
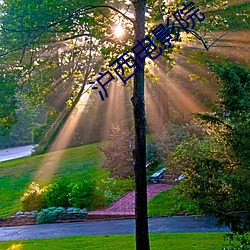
[
  {"x": 169, "y": 203},
  {"x": 16, "y": 175},
  {"x": 170, "y": 241}
]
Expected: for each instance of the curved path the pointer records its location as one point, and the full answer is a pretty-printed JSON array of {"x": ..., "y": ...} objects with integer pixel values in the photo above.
[{"x": 17, "y": 152}]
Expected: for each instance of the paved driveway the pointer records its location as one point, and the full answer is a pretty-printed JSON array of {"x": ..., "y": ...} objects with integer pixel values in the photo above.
[{"x": 156, "y": 225}]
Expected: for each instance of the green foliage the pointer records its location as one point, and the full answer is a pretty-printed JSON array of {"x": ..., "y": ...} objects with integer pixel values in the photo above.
[
  {"x": 81, "y": 194},
  {"x": 73, "y": 209},
  {"x": 242, "y": 241},
  {"x": 57, "y": 193},
  {"x": 38, "y": 131},
  {"x": 21, "y": 132},
  {"x": 32, "y": 198},
  {"x": 103, "y": 193},
  {"x": 216, "y": 168},
  {"x": 48, "y": 215},
  {"x": 205, "y": 175},
  {"x": 108, "y": 190},
  {"x": 91, "y": 193},
  {"x": 231, "y": 123},
  {"x": 8, "y": 105},
  {"x": 118, "y": 153}
]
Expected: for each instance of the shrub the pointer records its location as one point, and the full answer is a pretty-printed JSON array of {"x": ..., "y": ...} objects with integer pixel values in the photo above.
[
  {"x": 48, "y": 215},
  {"x": 243, "y": 242},
  {"x": 57, "y": 193},
  {"x": 103, "y": 194},
  {"x": 123, "y": 185},
  {"x": 81, "y": 194},
  {"x": 33, "y": 197},
  {"x": 73, "y": 209},
  {"x": 109, "y": 189}
]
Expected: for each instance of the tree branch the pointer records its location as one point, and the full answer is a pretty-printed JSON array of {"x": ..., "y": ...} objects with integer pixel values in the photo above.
[
  {"x": 42, "y": 29},
  {"x": 200, "y": 37}
]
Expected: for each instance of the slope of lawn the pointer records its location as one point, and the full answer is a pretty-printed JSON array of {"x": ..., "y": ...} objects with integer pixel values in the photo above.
[
  {"x": 173, "y": 241},
  {"x": 170, "y": 203},
  {"x": 16, "y": 175}
]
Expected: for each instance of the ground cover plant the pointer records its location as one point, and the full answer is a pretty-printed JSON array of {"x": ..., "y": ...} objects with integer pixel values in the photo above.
[{"x": 170, "y": 241}]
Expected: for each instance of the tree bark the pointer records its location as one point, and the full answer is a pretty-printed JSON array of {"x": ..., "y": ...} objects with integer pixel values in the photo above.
[{"x": 139, "y": 151}]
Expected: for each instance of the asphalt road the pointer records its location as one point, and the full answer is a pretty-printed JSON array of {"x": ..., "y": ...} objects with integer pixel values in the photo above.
[
  {"x": 156, "y": 225},
  {"x": 14, "y": 153}
]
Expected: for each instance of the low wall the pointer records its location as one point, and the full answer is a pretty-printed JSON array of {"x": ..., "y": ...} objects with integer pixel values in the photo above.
[
  {"x": 30, "y": 219},
  {"x": 19, "y": 220}
]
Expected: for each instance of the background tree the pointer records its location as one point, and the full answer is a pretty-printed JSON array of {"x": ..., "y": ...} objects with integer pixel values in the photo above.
[
  {"x": 217, "y": 168},
  {"x": 8, "y": 104},
  {"x": 118, "y": 155}
]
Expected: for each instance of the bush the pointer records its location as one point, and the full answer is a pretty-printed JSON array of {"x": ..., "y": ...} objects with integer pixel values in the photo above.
[
  {"x": 33, "y": 198},
  {"x": 109, "y": 189},
  {"x": 57, "y": 193},
  {"x": 48, "y": 215},
  {"x": 81, "y": 194},
  {"x": 122, "y": 186},
  {"x": 243, "y": 242},
  {"x": 78, "y": 210},
  {"x": 103, "y": 194}
]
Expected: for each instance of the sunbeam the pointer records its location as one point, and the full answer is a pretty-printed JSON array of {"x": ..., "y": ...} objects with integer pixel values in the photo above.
[{"x": 51, "y": 161}]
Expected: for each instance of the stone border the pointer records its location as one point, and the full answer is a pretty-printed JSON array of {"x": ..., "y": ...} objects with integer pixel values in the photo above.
[{"x": 30, "y": 219}]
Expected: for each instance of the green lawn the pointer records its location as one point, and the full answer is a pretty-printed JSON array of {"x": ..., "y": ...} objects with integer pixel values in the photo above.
[
  {"x": 169, "y": 202},
  {"x": 170, "y": 241},
  {"x": 16, "y": 175}
]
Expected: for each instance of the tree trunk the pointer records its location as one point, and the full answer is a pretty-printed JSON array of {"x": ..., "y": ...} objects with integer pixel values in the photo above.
[{"x": 139, "y": 151}]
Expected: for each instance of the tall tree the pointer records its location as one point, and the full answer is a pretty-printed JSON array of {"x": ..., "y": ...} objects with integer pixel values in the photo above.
[{"x": 139, "y": 151}]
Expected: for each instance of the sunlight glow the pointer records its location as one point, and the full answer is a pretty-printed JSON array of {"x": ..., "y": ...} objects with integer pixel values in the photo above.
[
  {"x": 119, "y": 31},
  {"x": 16, "y": 247},
  {"x": 52, "y": 159}
]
